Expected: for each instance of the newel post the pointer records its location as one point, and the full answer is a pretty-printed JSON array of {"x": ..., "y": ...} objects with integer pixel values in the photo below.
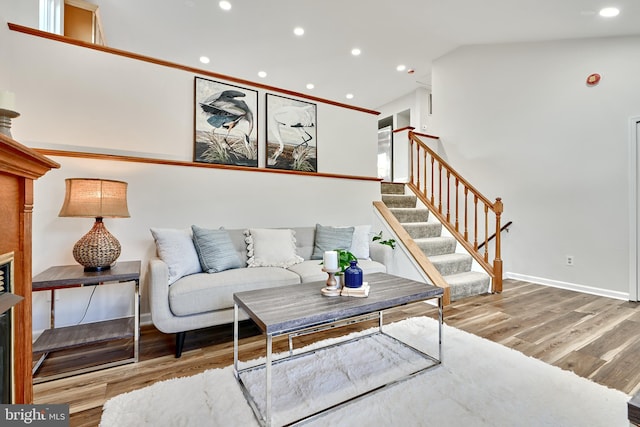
[
  {"x": 498, "y": 207},
  {"x": 411, "y": 167}
]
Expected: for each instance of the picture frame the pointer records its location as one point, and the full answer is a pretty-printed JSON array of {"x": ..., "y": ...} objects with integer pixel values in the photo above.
[
  {"x": 291, "y": 141},
  {"x": 225, "y": 124}
]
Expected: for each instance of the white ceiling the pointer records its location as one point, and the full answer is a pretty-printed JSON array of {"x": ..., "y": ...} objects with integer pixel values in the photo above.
[{"x": 258, "y": 35}]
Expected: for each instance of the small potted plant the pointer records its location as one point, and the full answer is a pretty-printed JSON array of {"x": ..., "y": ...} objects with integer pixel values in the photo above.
[
  {"x": 389, "y": 242},
  {"x": 344, "y": 259}
]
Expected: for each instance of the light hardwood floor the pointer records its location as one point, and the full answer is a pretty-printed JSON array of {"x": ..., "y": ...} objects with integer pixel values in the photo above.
[{"x": 597, "y": 338}]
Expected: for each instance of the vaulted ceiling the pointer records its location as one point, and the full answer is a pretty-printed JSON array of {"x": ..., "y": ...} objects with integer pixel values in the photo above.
[{"x": 257, "y": 35}]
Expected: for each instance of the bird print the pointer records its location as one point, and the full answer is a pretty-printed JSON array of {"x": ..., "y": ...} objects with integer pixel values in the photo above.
[
  {"x": 296, "y": 118},
  {"x": 225, "y": 111}
]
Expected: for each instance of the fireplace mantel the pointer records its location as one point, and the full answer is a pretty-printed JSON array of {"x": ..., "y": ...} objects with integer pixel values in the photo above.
[
  {"x": 19, "y": 167},
  {"x": 8, "y": 300}
]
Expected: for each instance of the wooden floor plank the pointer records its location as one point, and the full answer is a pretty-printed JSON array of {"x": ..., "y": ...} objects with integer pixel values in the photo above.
[{"x": 592, "y": 336}]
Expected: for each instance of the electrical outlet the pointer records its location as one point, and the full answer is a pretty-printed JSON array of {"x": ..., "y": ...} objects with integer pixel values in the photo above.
[{"x": 569, "y": 260}]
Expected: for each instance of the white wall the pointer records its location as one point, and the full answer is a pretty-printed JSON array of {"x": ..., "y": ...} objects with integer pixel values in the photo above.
[
  {"x": 85, "y": 100},
  {"x": 520, "y": 123}
]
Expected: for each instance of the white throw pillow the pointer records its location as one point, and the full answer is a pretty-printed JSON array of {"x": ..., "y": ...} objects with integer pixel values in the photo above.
[
  {"x": 360, "y": 241},
  {"x": 268, "y": 247},
  {"x": 175, "y": 247}
]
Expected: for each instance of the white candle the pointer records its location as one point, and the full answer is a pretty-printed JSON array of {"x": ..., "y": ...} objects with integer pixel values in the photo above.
[
  {"x": 7, "y": 100},
  {"x": 330, "y": 260}
]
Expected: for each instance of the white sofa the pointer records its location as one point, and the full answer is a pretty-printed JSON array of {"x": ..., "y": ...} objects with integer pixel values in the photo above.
[{"x": 184, "y": 298}]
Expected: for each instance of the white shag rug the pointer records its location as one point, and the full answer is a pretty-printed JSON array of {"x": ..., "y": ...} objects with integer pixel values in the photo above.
[{"x": 479, "y": 383}]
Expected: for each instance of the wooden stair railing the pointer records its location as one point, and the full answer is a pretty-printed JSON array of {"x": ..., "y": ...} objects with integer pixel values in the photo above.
[
  {"x": 468, "y": 215},
  {"x": 493, "y": 236},
  {"x": 418, "y": 255}
]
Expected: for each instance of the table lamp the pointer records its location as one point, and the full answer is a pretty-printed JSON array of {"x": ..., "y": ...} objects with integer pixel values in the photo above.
[{"x": 95, "y": 198}]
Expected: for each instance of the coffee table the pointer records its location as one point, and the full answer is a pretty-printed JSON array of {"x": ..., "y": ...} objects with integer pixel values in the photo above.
[{"x": 301, "y": 309}]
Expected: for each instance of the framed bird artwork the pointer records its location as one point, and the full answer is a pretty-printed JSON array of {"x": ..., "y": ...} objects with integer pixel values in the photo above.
[
  {"x": 225, "y": 126},
  {"x": 291, "y": 134}
]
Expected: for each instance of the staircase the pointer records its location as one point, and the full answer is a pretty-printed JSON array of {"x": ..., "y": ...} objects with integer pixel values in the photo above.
[{"x": 441, "y": 250}]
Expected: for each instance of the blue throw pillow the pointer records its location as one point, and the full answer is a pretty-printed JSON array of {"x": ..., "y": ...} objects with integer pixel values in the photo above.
[
  {"x": 330, "y": 238},
  {"x": 215, "y": 250}
]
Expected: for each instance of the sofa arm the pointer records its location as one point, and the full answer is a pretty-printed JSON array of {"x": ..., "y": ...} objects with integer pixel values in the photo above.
[
  {"x": 381, "y": 253},
  {"x": 161, "y": 314}
]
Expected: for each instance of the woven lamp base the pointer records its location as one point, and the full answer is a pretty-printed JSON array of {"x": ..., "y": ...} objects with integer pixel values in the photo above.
[{"x": 98, "y": 249}]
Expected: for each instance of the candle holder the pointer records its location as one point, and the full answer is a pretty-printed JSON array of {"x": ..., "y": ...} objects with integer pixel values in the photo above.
[
  {"x": 331, "y": 289},
  {"x": 5, "y": 121}
]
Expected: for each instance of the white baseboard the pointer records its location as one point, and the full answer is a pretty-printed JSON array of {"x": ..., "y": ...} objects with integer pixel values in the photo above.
[{"x": 569, "y": 286}]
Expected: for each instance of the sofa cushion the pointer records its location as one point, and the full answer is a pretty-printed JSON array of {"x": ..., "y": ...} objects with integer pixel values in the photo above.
[
  {"x": 305, "y": 239},
  {"x": 215, "y": 250},
  {"x": 200, "y": 293},
  {"x": 360, "y": 241},
  {"x": 175, "y": 247},
  {"x": 330, "y": 238},
  {"x": 268, "y": 247}
]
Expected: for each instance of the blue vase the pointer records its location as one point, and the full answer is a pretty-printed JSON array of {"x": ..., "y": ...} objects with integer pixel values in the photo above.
[{"x": 353, "y": 275}]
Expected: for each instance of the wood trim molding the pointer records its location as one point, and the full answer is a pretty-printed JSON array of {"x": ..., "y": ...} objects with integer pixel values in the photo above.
[
  {"x": 406, "y": 128},
  {"x": 16, "y": 159},
  {"x": 119, "y": 158},
  {"x": 163, "y": 63},
  {"x": 426, "y": 135}
]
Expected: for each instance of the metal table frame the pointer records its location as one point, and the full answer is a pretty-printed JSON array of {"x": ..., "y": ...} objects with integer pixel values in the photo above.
[{"x": 266, "y": 418}]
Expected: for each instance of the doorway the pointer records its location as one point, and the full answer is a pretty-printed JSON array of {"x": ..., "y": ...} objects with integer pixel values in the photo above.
[{"x": 385, "y": 149}]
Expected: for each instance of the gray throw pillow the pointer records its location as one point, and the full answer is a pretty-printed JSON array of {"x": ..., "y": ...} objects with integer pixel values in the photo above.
[
  {"x": 330, "y": 238},
  {"x": 215, "y": 250},
  {"x": 175, "y": 247}
]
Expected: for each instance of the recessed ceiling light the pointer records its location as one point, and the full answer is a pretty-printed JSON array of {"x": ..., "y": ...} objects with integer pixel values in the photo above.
[
  {"x": 355, "y": 51},
  {"x": 225, "y": 5},
  {"x": 401, "y": 67},
  {"x": 262, "y": 74},
  {"x": 310, "y": 85},
  {"x": 204, "y": 59},
  {"x": 349, "y": 96},
  {"x": 609, "y": 12},
  {"x": 298, "y": 31}
]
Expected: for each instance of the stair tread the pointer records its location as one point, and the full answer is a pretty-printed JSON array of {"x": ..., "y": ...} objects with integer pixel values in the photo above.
[
  {"x": 449, "y": 257},
  {"x": 463, "y": 285},
  {"x": 399, "y": 200},
  {"x": 392, "y": 187},
  {"x": 408, "y": 209},
  {"x": 434, "y": 239},
  {"x": 420, "y": 224},
  {"x": 460, "y": 278}
]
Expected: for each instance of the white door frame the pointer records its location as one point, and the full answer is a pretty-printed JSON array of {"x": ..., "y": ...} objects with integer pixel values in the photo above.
[{"x": 634, "y": 220}]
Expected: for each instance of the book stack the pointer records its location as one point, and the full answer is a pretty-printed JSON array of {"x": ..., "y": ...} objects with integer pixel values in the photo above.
[{"x": 361, "y": 292}]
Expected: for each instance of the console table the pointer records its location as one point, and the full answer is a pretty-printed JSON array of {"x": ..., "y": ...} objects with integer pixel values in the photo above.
[{"x": 55, "y": 339}]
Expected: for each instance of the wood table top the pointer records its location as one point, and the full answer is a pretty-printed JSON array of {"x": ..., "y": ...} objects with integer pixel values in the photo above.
[
  {"x": 74, "y": 275},
  {"x": 289, "y": 308}
]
